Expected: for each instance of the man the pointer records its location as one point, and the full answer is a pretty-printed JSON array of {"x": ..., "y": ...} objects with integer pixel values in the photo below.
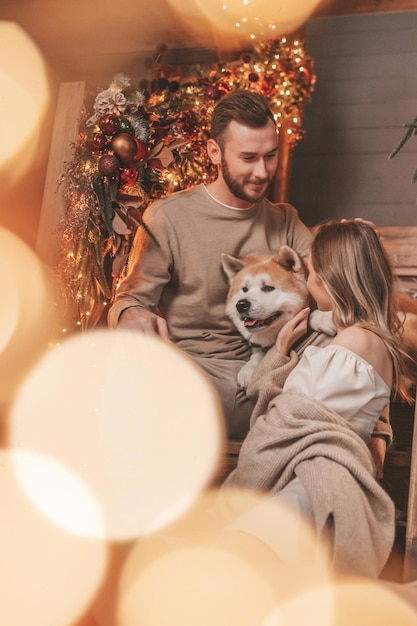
[
  {"x": 183, "y": 279},
  {"x": 179, "y": 290}
]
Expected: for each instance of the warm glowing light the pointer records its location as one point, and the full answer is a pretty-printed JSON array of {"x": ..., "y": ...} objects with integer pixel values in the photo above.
[
  {"x": 252, "y": 19},
  {"x": 24, "y": 98},
  {"x": 26, "y": 315},
  {"x": 208, "y": 569},
  {"x": 51, "y": 575},
  {"x": 97, "y": 408},
  {"x": 345, "y": 603},
  {"x": 59, "y": 494},
  {"x": 198, "y": 585}
]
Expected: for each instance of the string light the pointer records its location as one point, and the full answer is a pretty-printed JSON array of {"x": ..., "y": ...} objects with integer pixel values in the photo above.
[{"x": 89, "y": 268}]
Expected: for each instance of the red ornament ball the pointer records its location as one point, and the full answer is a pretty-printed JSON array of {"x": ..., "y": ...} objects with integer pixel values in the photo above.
[
  {"x": 124, "y": 147},
  {"x": 109, "y": 124},
  {"x": 98, "y": 143},
  {"x": 141, "y": 150},
  {"x": 128, "y": 177},
  {"x": 212, "y": 92},
  {"x": 108, "y": 165}
]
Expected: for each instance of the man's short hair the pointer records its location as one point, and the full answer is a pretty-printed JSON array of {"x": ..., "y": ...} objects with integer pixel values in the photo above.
[{"x": 243, "y": 106}]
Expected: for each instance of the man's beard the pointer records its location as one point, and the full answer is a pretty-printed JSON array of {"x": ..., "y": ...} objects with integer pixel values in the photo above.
[{"x": 236, "y": 187}]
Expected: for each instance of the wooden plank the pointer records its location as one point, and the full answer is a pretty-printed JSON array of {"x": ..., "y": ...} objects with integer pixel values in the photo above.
[
  {"x": 314, "y": 210},
  {"x": 410, "y": 557},
  {"x": 398, "y": 459},
  {"x": 360, "y": 115},
  {"x": 358, "y": 44},
  {"x": 349, "y": 7},
  {"x": 365, "y": 90},
  {"x": 66, "y": 125},
  {"x": 400, "y": 244},
  {"x": 365, "y": 66},
  {"x": 358, "y": 140}
]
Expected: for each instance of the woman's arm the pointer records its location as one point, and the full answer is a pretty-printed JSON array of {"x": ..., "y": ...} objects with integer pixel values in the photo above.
[{"x": 271, "y": 373}]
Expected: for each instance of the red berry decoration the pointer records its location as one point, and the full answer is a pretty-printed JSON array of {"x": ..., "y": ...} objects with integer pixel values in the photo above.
[
  {"x": 141, "y": 151},
  {"x": 108, "y": 165},
  {"x": 124, "y": 147},
  {"x": 109, "y": 124}
]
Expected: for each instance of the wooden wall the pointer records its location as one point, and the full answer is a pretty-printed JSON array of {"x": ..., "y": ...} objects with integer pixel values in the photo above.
[{"x": 366, "y": 89}]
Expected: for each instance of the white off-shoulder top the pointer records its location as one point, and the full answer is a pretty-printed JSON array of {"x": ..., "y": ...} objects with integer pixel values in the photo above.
[{"x": 344, "y": 382}]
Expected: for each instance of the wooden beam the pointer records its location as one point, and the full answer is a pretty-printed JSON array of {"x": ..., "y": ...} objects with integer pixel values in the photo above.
[{"x": 65, "y": 131}]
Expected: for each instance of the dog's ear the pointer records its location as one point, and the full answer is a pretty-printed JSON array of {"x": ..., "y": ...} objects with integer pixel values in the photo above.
[
  {"x": 289, "y": 259},
  {"x": 231, "y": 265}
]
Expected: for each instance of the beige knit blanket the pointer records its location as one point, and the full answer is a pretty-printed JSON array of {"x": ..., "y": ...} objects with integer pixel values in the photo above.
[{"x": 300, "y": 436}]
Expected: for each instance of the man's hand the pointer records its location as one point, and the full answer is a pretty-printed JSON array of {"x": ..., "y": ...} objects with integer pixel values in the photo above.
[
  {"x": 137, "y": 318},
  {"x": 292, "y": 331},
  {"x": 360, "y": 219}
]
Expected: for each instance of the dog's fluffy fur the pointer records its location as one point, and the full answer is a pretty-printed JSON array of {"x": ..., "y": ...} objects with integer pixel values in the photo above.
[{"x": 268, "y": 290}]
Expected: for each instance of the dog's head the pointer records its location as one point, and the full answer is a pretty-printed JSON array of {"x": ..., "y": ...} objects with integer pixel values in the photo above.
[{"x": 265, "y": 292}]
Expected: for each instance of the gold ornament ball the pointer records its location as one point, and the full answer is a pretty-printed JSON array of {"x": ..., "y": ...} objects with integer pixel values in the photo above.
[{"x": 124, "y": 147}]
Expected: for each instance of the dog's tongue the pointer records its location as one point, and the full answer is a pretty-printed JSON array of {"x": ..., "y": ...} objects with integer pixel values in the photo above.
[{"x": 250, "y": 322}]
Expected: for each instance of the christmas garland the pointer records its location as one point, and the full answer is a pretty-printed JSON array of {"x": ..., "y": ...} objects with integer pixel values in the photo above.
[{"x": 139, "y": 142}]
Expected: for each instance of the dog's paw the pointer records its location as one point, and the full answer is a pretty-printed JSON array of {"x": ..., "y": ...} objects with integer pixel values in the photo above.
[
  {"x": 323, "y": 322},
  {"x": 245, "y": 374}
]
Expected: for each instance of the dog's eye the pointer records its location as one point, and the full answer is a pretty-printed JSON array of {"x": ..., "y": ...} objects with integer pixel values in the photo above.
[
  {"x": 245, "y": 289},
  {"x": 268, "y": 288}
]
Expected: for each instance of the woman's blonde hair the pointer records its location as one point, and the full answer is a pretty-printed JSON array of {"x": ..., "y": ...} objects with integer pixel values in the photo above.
[{"x": 350, "y": 260}]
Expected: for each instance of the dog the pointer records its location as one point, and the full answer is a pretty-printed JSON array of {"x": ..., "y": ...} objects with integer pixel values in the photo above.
[{"x": 266, "y": 291}]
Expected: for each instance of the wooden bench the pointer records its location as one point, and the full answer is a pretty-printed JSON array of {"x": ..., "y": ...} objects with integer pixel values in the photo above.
[{"x": 400, "y": 468}]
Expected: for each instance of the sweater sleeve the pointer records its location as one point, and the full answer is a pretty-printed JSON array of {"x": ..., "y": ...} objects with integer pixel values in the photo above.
[
  {"x": 298, "y": 234},
  {"x": 149, "y": 267},
  {"x": 268, "y": 379}
]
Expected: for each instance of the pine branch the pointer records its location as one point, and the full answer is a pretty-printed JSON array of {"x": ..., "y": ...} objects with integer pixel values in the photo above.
[{"x": 411, "y": 130}]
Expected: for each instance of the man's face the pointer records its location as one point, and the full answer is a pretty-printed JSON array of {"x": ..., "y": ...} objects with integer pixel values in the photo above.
[{"x": 249, "y": 160}]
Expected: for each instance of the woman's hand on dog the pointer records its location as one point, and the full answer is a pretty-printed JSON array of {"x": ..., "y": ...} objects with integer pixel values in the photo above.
[{"x": 292, "y": 331}]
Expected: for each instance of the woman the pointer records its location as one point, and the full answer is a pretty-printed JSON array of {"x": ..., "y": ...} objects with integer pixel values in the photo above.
[{"x": 313, "y": 419}]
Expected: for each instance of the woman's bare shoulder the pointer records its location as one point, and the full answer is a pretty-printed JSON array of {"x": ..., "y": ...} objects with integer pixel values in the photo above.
[
  {"x": 356, "y": 338},
  {"x": 369, "y": 346}
]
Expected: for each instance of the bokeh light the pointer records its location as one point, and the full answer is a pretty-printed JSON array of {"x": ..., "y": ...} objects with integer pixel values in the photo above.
[
  {"x": 132, "y": 417},
  {"x": 24, "y": 92},
  {"x": 61, "y": 496},
  {"x": 27, "y": 314},
  {"x": 207, "y": 568},
  {"x": 48, "y": 576},
  {"x": 249, "y": 19},
  {"x": 346, "y": 603},
  {"x": 198, "y": 585}
]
